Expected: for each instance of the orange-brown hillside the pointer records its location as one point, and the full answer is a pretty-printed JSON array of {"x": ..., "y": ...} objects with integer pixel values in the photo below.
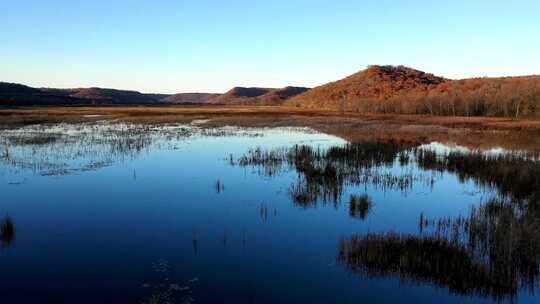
[
  {"x": 373, "y": 83},
  {"x": 402, "y": 90}
]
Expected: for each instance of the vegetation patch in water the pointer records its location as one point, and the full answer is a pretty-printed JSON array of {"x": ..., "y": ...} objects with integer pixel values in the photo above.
[{"x": 360, "y": 206}]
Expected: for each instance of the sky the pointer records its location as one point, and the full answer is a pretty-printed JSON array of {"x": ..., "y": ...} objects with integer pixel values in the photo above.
[{"x": 212, "y": 46}]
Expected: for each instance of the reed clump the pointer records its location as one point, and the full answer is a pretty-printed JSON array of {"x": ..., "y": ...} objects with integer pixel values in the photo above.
[
  {"x": 360, "y": 206},
  {"x": 7, "y": 231},
  {"x": 494, "y": 251}
]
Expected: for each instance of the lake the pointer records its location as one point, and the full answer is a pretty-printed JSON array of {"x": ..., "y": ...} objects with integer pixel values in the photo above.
[{"x": 124, "y": 213}]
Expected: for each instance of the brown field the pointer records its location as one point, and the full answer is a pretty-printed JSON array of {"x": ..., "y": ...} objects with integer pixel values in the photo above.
[{"x": 474, "y": 132}]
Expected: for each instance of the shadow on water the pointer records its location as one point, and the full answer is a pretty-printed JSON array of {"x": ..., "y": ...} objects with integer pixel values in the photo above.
[{"x": 7, "y": 231}]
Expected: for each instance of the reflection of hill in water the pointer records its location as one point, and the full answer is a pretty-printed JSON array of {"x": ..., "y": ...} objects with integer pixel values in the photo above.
[{"x": 69, "y": 148}]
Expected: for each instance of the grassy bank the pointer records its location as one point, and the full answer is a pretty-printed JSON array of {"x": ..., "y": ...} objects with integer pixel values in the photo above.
[{"x": 475, "y": 132}]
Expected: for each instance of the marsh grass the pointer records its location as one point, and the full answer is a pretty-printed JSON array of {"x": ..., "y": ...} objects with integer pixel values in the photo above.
[
  {"x": 421, "y": 260},
  {"x": 512, "y": 174},
  {"x": 492, "y": 252},
  {"x": 324, "y": 174},
  {"x": 219, "y": 186},
  {"x": 7, "y": 231},
  {"x": 62, "y": 149},
  {"x": 360, "y": 206}
]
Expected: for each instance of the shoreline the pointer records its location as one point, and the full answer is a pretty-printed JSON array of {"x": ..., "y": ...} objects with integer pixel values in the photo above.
[{"x": 472, "y": 132}]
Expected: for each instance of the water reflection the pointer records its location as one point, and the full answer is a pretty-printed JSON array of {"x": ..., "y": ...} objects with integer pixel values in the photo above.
[
  {"x": 515, "y": 174},
  {"x": 494, "y": 251},
  {"x": 66, "y": 149},
  {"x": 166, "y": 290},
  {"x": 323, "y": 174},
  {"x": 390, "y": 210}
]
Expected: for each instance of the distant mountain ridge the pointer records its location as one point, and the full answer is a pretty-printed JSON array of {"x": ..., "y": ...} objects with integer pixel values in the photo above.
[
  {"x": 258, "y": 96},
  {"x": 18, "y": 94},
  {"x": 377, "y": 89}
]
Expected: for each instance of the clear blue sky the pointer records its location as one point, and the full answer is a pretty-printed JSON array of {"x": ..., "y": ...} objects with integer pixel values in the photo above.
[{"x": 200, "y": 45}]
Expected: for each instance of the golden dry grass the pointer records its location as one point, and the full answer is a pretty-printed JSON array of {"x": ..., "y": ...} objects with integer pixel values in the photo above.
[{"x": 475, "y": 132}]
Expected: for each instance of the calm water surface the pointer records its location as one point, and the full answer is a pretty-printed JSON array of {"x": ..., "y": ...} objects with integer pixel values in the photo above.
[{"x": 115, "y": 213}]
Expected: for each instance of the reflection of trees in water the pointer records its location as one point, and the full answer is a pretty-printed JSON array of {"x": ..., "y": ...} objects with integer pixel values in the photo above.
[
  {"x": 7, "y": 231},
  {"x": 494, "y": 251}
]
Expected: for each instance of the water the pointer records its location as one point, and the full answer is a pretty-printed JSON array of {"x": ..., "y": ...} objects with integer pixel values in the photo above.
[{"x": 115, "y": 213}]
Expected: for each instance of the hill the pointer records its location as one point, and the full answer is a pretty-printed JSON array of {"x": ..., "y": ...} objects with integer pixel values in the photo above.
[
  {"x": 18, "y": 95},
  {"x": 258, "y": 96},
  {"x": 402, "y": 90},
  {"x": 200, "y": 98},
  {"x": 374, "y": 84},
  {"x": 377, "y": 89},
  {"x": 241, "y": 95},
  {"x": 279, "y": 96},
  {"x": 16, "y": 89},
  {"x": 112, "y": 96}
]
